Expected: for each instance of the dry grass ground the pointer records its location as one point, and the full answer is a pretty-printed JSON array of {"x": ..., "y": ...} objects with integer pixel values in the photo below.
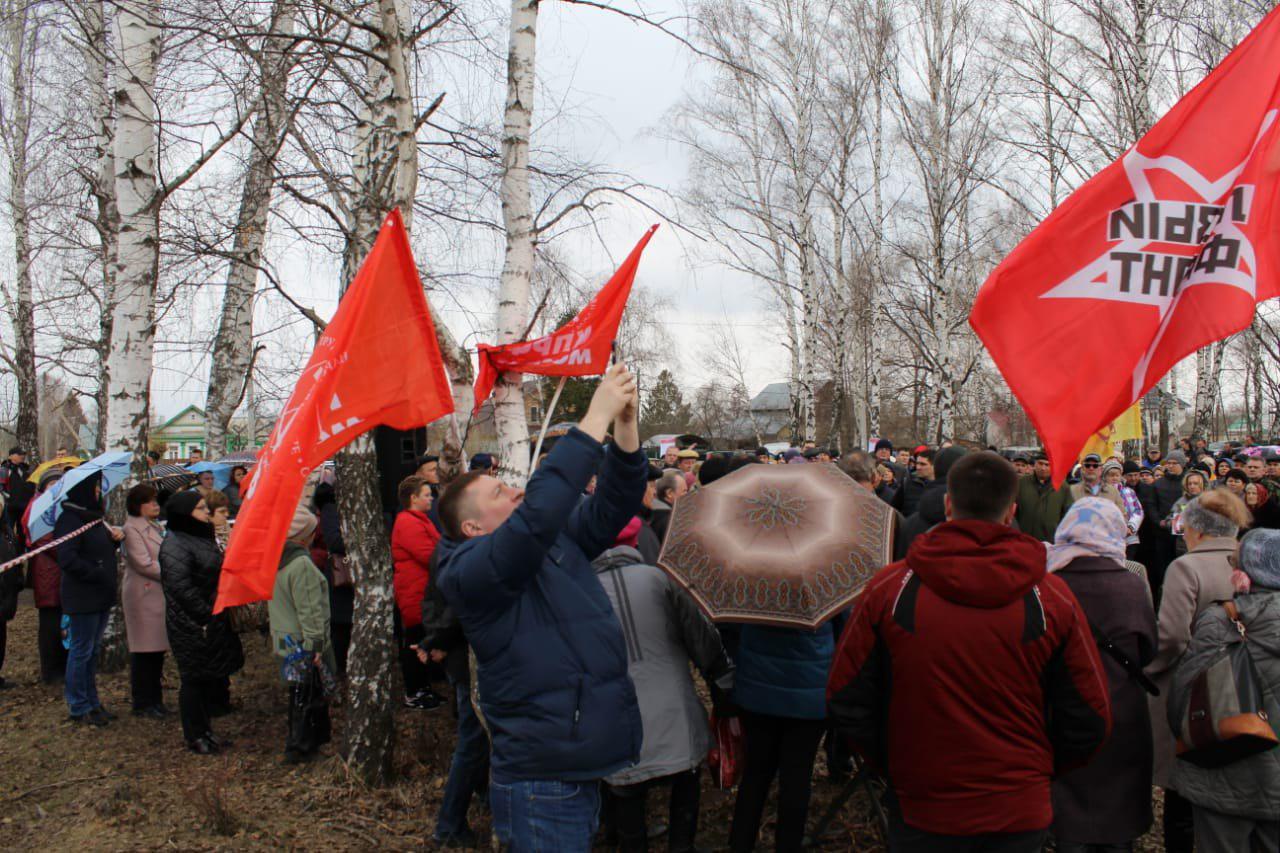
[{"x": 133, "y": 786}]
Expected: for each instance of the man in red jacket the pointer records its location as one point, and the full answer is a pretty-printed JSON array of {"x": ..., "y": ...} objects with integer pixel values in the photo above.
[
  {"x": 413, "y": 540},
  {"x": 969, "y": 677}
]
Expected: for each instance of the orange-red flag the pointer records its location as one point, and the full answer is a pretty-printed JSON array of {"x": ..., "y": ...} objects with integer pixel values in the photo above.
[
  {"x": 580, "y": 347},
  {"x": 377, "y": 363},
  {"x": 1166, "y": 250}
]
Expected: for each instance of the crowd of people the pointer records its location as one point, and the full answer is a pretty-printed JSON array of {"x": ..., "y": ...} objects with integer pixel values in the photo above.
[{"x": 1027, "y": 668}]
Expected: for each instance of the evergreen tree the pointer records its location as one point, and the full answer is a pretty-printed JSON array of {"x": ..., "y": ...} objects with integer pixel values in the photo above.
[{"x": 663, "y": 408}]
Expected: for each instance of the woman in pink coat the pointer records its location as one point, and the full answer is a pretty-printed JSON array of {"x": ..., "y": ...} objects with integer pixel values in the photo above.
[{"x": 144, "y": 601}]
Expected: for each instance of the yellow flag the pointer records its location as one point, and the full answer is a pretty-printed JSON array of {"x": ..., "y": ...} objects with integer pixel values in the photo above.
[{"x": 1127, "y": 427}]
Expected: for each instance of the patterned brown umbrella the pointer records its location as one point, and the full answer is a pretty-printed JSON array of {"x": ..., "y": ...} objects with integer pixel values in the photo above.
[{"x": 787, "y": 545}]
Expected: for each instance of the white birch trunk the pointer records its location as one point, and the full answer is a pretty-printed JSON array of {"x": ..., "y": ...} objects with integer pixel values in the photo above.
[
  {"x": 233, "y": 344},
  {"x": 1254, "y": 366},
  {"x": 18, "y": 33},
  {"x": 102, "y": 186},
  {"x": 517, "y": 219},
  {"x": 875, "y": 345},
  {"x": 1208, "y": 383},
  {"x": 385, "y": 173},
  {"x": 941, "y": 176},
  {"x": 133, "y": 314},
  {"x": 809, "y": 294}
]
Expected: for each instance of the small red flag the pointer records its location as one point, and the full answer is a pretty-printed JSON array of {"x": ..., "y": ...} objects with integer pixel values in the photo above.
[
  {"x": 377, "y": 363},
  {"x": 581, "y": 347},
  {"x": 1166, "y": 250}
]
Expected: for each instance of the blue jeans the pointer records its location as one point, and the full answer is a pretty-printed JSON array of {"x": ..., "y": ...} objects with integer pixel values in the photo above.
[
  {"x": 557, "y": 817},
  {"x": 468, "y": 769},
  {"x": 85, "y": 637}
]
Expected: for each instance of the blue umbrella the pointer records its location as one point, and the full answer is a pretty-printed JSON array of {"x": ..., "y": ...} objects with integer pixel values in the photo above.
[
  {"x": 221, "y": 472},
  {"x": 113, "y": 467}
]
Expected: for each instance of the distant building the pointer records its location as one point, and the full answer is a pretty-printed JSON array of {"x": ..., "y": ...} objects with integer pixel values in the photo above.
[
  {"x": 181, "y": 434},
  {"x": 185, "y": 432},
  {"x": 769, "y": 414}
]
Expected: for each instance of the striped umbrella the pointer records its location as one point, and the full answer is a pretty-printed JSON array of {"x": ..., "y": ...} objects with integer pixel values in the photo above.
[{"x": 170, "y": 478}]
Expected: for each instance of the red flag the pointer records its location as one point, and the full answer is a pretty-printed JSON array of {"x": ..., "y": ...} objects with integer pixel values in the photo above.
[
  {"x": 376, "y": 363},
  {"x": 579, "y": 348},
  {"x": 1166, "y": 250}
]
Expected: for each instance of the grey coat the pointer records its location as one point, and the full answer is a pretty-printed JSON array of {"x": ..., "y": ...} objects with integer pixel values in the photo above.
[
  {"x": 1192, "y": 584},
  {"x": 664, "y": 630},
  {"x": 1108, "y": 801},
  {"x": 1248, "y": 788}
]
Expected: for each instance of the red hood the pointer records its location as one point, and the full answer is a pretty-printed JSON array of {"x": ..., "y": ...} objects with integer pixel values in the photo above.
[{"x": 977, "y": 563}]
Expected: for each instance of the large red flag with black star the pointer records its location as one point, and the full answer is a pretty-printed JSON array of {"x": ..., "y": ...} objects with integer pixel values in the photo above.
[{"x": 1166, "y": 250}]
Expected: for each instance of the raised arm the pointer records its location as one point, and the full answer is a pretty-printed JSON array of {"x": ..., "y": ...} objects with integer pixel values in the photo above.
[
  {"x": 619, "y": 493},
  {"x": 492, "y": 569}
]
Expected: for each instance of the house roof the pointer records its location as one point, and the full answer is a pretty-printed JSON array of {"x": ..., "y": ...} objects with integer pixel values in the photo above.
[
  {"x": 773, "y": 397},
  {"x": 175, "y": 418}
]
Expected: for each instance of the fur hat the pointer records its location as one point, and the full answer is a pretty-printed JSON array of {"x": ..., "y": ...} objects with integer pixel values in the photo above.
[
  {"x": 303, "y": 524},
  {"x": 1260, "y": 557}
]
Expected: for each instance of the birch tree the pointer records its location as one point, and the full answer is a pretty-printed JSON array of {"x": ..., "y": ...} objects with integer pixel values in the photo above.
[
  {"x": 233, "y": 345},
  {"x": 949, "y": 144},
  {"x": 380, "y": 177},
  {"x": 517, "y": 219},
  {"x": 383, "y": 175},
  {"x": 91, "y": 23},
  {"x": 21, "y": 35},
  {"x": 139, "y": 198},
  {"x": 756, "y": 173},
  {"x": 877, "y": 43},
  {"x": 133, "y": 309}
]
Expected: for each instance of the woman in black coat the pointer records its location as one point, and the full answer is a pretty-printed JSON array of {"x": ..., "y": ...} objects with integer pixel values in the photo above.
[
  {"x": 89, "y": 585},
  {"x": 1108, "y": 802},
  {"x": 10, "y": 586},
  {"x": 207, "y": 651}
]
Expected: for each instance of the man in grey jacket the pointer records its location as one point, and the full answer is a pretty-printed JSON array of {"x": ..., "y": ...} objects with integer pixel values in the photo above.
[{"x": 664, "y": 630}]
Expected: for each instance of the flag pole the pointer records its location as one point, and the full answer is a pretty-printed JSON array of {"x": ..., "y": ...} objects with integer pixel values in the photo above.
[{"x": 546, "y": 422}]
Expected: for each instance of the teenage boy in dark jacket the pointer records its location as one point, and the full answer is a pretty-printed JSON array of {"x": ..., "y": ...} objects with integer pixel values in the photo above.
[
  {"x": 968, "y": 676},
  {"x": 515, "y": 566}
]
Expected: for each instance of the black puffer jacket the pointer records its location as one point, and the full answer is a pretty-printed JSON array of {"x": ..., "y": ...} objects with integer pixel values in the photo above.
[
  {"x": 931, "y": 510},
  {"x": 88, "y": 562},
  {"x": 10, "y": 581},
  {"x": 190, "y": 563},
  {"x": 443, "y": 631},
  {"x": 1168, "y": 489}
]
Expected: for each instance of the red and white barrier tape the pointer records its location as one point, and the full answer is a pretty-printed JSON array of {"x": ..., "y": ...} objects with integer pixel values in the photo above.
[{"x": 4, "y": 567}]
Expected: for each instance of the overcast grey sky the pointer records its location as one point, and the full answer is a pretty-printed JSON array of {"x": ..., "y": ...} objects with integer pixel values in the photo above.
[{"x": 620, "y": 79}]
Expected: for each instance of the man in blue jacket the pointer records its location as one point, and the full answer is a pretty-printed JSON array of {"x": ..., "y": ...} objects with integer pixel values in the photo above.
[{"x": 515, "y": 566}]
